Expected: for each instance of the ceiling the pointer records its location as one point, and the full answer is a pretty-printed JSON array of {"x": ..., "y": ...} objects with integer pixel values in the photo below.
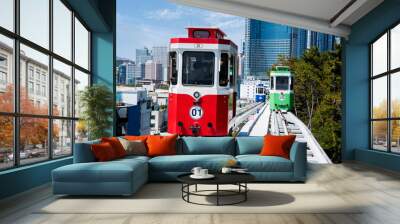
[{"x": 327, "y": 16}]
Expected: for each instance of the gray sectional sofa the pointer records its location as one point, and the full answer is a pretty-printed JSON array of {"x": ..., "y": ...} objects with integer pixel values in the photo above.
[{"x": 125, "y": 176}]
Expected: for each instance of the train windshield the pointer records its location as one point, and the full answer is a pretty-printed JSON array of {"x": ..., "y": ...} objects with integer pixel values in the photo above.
[
  {"x": 198, "y": 68},
  {"x": 282, "y": 83}
]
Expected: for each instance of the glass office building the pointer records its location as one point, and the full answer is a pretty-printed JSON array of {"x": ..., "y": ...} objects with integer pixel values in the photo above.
[{"x": 265, "y": 42}]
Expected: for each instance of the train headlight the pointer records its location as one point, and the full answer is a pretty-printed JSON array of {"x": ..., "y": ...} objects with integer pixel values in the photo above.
[
  {"x": 282, "y": 96},
  {"x": 196, "y": 95}
]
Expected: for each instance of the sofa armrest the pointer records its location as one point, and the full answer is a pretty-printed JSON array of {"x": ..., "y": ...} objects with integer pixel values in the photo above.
[
  {"x": 83, "y": 152},
  {"x": 298, "y": 155}
]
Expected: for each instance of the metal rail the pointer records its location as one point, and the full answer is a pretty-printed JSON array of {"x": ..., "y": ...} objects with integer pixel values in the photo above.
[{"x": 287, "y": 123}]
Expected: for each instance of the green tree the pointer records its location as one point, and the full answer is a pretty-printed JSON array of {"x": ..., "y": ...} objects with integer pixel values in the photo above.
[
  {"x": 97, "y": 104},
  {"x": 317, "y": 89}
]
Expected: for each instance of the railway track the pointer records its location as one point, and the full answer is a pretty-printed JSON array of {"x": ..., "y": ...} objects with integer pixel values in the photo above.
[{"x": 279, "y": 123}]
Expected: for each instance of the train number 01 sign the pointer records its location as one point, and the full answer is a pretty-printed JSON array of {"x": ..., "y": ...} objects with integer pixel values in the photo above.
[{"x": 196, "y": 112}]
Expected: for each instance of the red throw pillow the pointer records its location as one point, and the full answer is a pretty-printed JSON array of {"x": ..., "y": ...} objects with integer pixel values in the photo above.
[
  {"x": 116, "y": 145},
  {"x": 103, "y": 152},
  {"x": 161, "y": 145},
  {"x": 277, "y": 145}
]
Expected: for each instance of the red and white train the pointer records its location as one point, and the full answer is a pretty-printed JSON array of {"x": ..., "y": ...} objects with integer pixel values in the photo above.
[{"x": 202, "y": 92}]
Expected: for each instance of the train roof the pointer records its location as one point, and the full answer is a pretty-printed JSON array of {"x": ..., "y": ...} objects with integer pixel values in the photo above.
[
  {"x": 280, "y": 71},
  {"x": 203, "y": 35}
]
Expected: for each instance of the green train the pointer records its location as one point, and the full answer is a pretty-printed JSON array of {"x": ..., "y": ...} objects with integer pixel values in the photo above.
[{"x": 281, "y": 96}]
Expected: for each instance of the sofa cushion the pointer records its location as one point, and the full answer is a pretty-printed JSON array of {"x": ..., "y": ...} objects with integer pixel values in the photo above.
[
  {"x": 185, "y": 163},
  {"x": 208, "y": 145},
  {"x": 136, "y": 147},
  {"x": 257, "y": 163},
  {"x": 116, "y": 145},
  {"x": 249, "y": 145},
  {"x": 104, "y": 152},
  {"x": 161, "y": 145},
  {"x": 135, "y": 137},
  {"x": 278, "y": 145},
  {"x": 112, "y": 171}
]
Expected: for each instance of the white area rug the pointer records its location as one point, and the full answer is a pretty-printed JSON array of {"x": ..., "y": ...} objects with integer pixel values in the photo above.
[{"x": 166, "y": 198}]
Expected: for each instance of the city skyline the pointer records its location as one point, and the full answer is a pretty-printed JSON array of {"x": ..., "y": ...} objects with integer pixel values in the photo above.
[{"x": 152, "y": 23}]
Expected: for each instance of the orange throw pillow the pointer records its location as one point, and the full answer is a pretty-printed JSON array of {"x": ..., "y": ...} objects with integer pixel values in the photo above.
[
  {"x": 161, "y": 145},
  {"x": 116, "y": 145},
  {"x": 136, "y": 138},
  {"x": 277, "y": 145},
  {"x": 103, "y": 152}
]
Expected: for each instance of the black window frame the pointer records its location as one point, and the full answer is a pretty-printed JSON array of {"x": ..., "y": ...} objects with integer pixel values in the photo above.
[
  {"x": 16, "y": 115},
  {"x": 388, "y": 75}
]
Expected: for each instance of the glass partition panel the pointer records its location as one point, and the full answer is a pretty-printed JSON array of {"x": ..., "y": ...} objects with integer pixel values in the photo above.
[
  {"x": 62, "y": 29},
  {"x": 81, "y": 45},
  {"x": 34, "y": 144},
  {"x": 379, "y": 56},
  {"x": 62, "y": 138},
  {"x": 6, "y": 74},
  {"x": 34, "y": 21},
  {"x": 62, "y": 89},
  {"x": 81, "y": 82},
  {"x": 7, "y": 14},
  {"x": 379, "y": 98},
  {"x": 379, "y": 135},
  {"x": 6, "y": 142},
  {"x": 395, "y": 47},
  {"x": 34, "y": 81}
]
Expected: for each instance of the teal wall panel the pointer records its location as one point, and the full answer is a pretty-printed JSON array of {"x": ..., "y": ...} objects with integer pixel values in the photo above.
[
  {"x": 24, "y": 178},
  {"x": 376, "y": 158},
  {"x": 356, "y": 127},
  {"x": 103, "y": 59}
]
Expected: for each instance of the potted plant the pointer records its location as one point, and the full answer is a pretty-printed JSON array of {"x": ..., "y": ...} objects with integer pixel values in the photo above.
[{"x": 96, "y": 103}]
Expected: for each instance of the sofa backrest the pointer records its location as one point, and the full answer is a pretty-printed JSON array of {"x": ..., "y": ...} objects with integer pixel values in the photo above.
[
  {"x": 207, "y": 145},
  {"x": 249, "y": 145},
  {"x": 83, "y": 152}
]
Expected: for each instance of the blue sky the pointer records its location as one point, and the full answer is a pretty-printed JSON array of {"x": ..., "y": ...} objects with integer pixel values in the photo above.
[{"x": 153, "y": 22}]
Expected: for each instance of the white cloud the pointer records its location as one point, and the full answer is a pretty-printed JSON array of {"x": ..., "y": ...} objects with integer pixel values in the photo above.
[
  {"x": 166, "y": 14},
  {"x": 222, "y": 20}
]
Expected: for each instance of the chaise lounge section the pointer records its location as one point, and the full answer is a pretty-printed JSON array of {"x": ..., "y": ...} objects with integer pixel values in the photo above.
[{"x": 125, "y": 176}]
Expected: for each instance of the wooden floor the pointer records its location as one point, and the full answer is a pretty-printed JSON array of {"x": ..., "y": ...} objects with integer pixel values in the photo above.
[{"x": 378, "y": 189}]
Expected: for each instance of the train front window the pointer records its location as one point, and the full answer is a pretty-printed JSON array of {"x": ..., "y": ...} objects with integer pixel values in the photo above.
[
  {"x": 201, "y": 34},
  {"x": 198, "y": 68},
  {"x": 282, "y": 83},
  {"x": 223, "y": 70},
  {"x": 173, "y": 71}
]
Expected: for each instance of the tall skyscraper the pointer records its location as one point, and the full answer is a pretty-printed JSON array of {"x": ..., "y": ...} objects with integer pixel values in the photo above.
[
  {"x": 264, "y": 43},
  {"x": 298, "y": 42},
  {"x": 142, "y": 55},
  {"x": 324, "y": 42},
  {"x": 126, "y": 73},
  {"x": 153, "y": 71},
  {"x": 160, "y": 56}
]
